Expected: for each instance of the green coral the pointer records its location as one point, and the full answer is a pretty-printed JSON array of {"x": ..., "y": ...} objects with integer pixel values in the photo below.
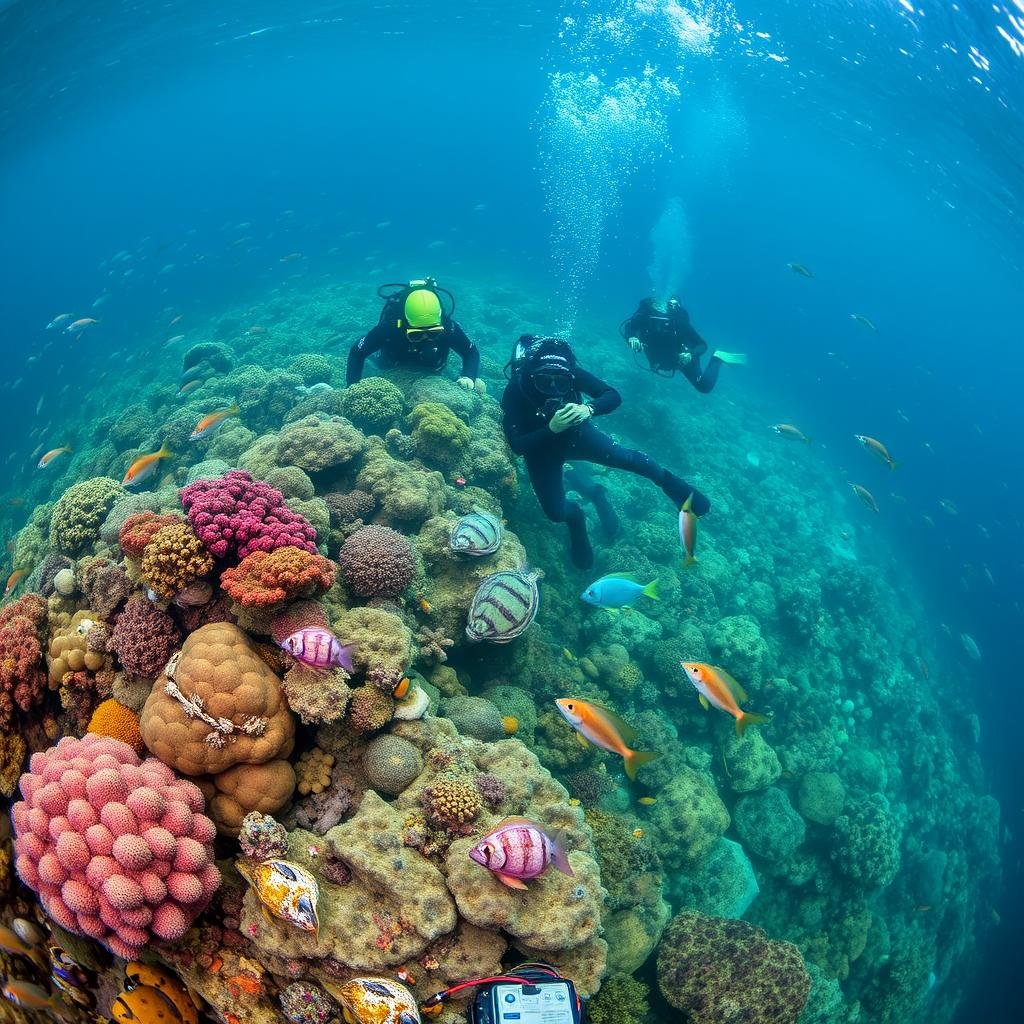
[
  {"x": 312, "y": 367},
  {"x": 517, "y": 703},
  {"x": 621, "y": 1000},
  {"x": 316, "y": 443},
  {"x": 440, "y": 436},
  {"x": 687, "y": 820},
  {"x": 627, "y": 861},
  {"x": 750, "y": 762},
  {"x": 768, "y": 824},
  {"x": 373, "y": 404},
  {"x": 867, "y": 843},
  {"x": 820, "y": 797},
  {"x": 391, "y": 764},
  {"x": 292, "y": 482},
  {"x": 383, "y": 642},
  {"x": 79, "y": 513},
  {"x": 404, "y": 494},
  {"x": 737, "y": 645}
]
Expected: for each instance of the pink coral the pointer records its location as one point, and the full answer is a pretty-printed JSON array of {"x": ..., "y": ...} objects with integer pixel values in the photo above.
[
  {"x": 266, "y": 578},
  {"x": 236, "y": 515},
  {"x": 104, "y": 879},
  {"x": 22, "y": 676},
  {"x": 377, "y": 561},
  {"x": 144, "y": 638}
]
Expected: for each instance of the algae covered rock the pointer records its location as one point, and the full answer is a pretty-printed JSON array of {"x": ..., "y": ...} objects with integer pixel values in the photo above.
[
  {"x": 750, "y": 762},
  {"x": 690, "y": 814},
  {"x": 820, "y": 797},
  {"x": 724, "y": 886},
  {"x": 769, "y": 825},
  {"x": 867, "y": 847},
  {"x": 737, "y": 645}
]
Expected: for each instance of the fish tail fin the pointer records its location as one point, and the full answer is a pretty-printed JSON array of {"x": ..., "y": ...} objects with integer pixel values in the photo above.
[
  {"x": 234, "y": 408},
  {"x": 165, "y": 452},
  {"x": 893, "y": 463},
  {"x": 689, "y": 560},
  {"x": 633, "y": 759},
  {"x": 688, "y": 504},
  {"x": 559, "y": 857},
  {"x": 807, "y": 440},
  {"x": 749, "y": 718},
  {"x": 651, "y": 590}
]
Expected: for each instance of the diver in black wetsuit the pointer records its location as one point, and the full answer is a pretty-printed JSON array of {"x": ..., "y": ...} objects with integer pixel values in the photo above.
[
  {"x": 547, "y": 420},
  {"x": 671, "y": 343},
  {"x": 415, "y": 330}
]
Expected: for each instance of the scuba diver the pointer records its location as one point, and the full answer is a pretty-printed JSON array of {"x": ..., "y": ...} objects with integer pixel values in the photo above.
[
  {"x": 414, "y": 330},
  {"x": 671, "y": 343},
  {"x": 546, "y": 419}
]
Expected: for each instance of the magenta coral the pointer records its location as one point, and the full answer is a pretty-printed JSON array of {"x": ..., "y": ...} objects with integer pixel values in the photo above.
[
  {"x": 95, "y": 838},
  {"x": 144, "y": 638},
  {"x": 377, "y": 561},
  {"x": 236, "y": 515},
  {"x": 22, "y": 676}
]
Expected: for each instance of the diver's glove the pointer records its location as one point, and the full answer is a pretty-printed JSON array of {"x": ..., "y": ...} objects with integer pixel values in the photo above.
[
  {"x": 735, "y": 358},
  {"x": 572, "y": 414},
  {"x": 465, "y": 382},
  {"x": 635, "y": 344}
]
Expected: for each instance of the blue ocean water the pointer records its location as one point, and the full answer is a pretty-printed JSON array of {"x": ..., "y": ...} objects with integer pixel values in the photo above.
[{"x": 159, "y": 159}]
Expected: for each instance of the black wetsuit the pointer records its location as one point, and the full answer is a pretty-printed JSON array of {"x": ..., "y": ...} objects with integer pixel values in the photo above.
[
  {"x": 393, "y": 348},
  {"x": 525, "y": 422},
  {"x": 665, "y": 336}
]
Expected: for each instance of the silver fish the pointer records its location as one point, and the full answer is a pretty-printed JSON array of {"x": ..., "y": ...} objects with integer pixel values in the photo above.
[
  {"x": 503, "y": 606},
  {"x": 478, "y": 533}
]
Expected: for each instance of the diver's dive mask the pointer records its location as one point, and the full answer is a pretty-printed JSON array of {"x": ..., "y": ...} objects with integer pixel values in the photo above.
[
  {"x": 552, "y": 382},
  {"x": 415, "y": 335}
]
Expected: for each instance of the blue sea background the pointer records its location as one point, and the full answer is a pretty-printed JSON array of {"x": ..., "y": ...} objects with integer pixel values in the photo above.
[{"x": 879, "y": 143}]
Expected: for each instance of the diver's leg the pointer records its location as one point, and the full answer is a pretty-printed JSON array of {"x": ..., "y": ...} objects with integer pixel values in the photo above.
[
  {"x": 705, "y": 380},
  {"x": 595, "y": 446},
  {"x": 549, "y": 485},
  {"x": 579, "y": 479}
]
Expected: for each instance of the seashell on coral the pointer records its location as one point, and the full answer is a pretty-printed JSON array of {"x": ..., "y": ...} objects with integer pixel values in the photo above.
[{"x": 414, "y": 705}]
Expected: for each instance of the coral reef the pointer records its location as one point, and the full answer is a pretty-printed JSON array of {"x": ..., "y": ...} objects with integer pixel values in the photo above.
[
  {"x": 111, "y": 718},
  {"x": 391, "y": 764},
  {"x": 174, "y": 559},
  {"x": 79, "y": 512},
  {"x": 373, "y": 404},
  {"x": 315, "y": 444},
  {"x": 376, "y": 561},
  {"x": 143, "y": 638},
  {"x": 264, "y": 578},
  {"x": 22, "y": 678}
]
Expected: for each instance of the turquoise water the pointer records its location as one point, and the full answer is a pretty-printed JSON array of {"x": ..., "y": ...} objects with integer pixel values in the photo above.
[{"x": 832, "y": 190}]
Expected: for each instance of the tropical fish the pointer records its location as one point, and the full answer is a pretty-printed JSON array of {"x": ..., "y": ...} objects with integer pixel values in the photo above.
[
  {"x": 11, "y": 942},
  {"x": 510, "y": 724},
  {"x": 27, "y": 996},
  {"x": 949, "y": 507},
  {"x": 60, "y": 318},
  {"x": 176, "y": 320},
  {"x": 876, "y": 448},
  {"x": 716, "y": 686},
  {"x": 51, "y": 455},
  {"x": 291, "y": 257},
  {"x": 374, "y": 1001},
  {"x": 208, "y": 424},
  {"x": 688, "y": 531},
  {"x": 167, "y": 984},
  {"x": 14, "y": 579},
  {"x": 647, "y": 801},
  {"x": 256, "y": 329},
  {"x": 788, "y": 430},
  {"x": 144, "y": 467},
  {"x": 606, "y": 730},
  {"x": 402, "y": 688},
  {"x": 865, "y": 496},
  {"x": 638, "y": 833},
  {"x": 286, "y": 890},
  {"x": 799, "y": 268},
  {"x": 478, "y": 533},
  {"x": 80, "y": 325},
  {"x": 29, "y": 933},
  {"x": 319, "y": 649},
  {"x": 970, "y": 645},
  {"x": 618, "y": 589},
  {"x": 520, "y": 849},
  {"x": 424, "y": 605},
  {"x": 175, "y": 339},
  {"x": 144, "y": 1004},
  {"x": 74, "y": 983},
  {"x": 504, "y": 605},
  {"x": 188, "y": 386},
  {"x": 863, "y": 321}
]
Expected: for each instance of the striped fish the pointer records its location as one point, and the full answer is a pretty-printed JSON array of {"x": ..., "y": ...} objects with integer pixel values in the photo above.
[
  {"x": 503, "y": 606},
  {"x": 519, "y": 849},
  {"x": 319, "y": 649},
  {"x": 478, "y": 533}
]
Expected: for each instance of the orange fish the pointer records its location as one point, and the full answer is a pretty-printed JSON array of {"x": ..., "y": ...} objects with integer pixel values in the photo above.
[
  {"x": 425, "y": 605},
  {"x": 402, "y": 688},
  {"x": 876, "y": 448},
  {"x": 208, "y": 424},
  {"x": 51, "y": 455},
  {"x": 605, "y": 729},
  {"x": 144, "y": 466},
  {"x": 716, "y": 686},
  {"x": 14, "y": 579},
  {"x": 865, "y": 496}
]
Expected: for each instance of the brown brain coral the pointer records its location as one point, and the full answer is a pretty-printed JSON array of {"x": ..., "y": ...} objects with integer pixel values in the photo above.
[
  {"x": 377, "y": 561},
  {"x": 391, "y": 764},
  {"x": 236, "y": 690},
  {"x": 452, "y": 802},
  {"x": 173, "y": 559}
]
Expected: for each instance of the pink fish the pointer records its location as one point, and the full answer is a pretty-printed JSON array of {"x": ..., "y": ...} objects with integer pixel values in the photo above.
[
  {"x": 518, "y": 849},
  {"x": 319, "y": 649}
]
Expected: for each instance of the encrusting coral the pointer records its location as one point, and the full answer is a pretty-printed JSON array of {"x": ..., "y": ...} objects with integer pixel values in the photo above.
[
  {"x": 264, "y": 578},
  {"x": 143, "y": 638},
  {"x": 111, "y": 718}
]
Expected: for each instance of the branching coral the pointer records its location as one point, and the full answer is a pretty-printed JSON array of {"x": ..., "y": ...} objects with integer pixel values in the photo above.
[
  {"x": 22, "y": 679},
  {"x": 433, "y": 644},
  {"x": 265, "y": 578},
  {"x": 106, "y": 586}
]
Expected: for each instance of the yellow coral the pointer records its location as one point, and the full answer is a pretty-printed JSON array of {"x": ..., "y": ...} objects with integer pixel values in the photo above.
[
  {"x": 629, "y": 676},
  {"x": 451, "y": 801},
  {"x": 114, "y": 719},
  {"x": 173, "y": 559},
  {"x": 313, "y": 771},
  {"x": 510, "y": 724},
  {"x": 69, "y": 651}
]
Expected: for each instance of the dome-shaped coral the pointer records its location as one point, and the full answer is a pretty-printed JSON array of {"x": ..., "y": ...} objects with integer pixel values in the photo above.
[
  {"x": 266, "y": 578},
  {"x": 373, "y": 404},
  {"x": 112, "y": 718},
  {"x": 346, "y": 507},
  {"x": 440, "y": 436},
  {"x": 370, "y": 709},
  {"x": 316, "y": 443},
  {"x": 452, "y": 802},
  {"x": 391, "y": 764},
  {"x": 174, "y": 559},
  {"x": 79, "y": 513},
  {"x": 140, "y": 528},
  {"x": 118, "y": 849},
  {"x": 377, "y": 561}
]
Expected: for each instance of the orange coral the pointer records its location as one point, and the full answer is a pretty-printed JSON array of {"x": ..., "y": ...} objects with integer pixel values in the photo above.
[
  {"x": 114, "y": 719},
  {"x": 173, "y": 559},
  {"x": 140, "y": 528},
  {"x": 266, "y": 578}
]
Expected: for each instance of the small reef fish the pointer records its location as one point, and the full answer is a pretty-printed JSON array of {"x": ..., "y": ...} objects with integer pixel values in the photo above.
[
  {"x": 256, "y": 329},
  {"x": 688, "y": 531},
  {"x": 716, "y": 686},
  {"x": 865, "y": 496},
  {"x": 606, "y": 730},
  {"x": 504, "y": 605},
  {"x": 618, "y": 589},
  {"x": 405, "y": 976},
  {"x": 14, "y": 579},
  {"x": 970, "y": 645},
  {"x": 788, "y": 430},
  {"x": 208, "y": 424},
  {"x": 374, "y": 1001},
  {"x": 424, "y": 605},
  {"x": 520, "y": 849},
  {"x": 175, "y": 339},
  {"x": 189, "y": 385},
  {"x": 478, "y": 533},
  {"x": 799, "y": 268},
  {"x": 145, "y": 466},
  {"x": 291, "y": 257},
  {"x": 60, "y": 318},
  {"x": 138, "y": 975},
  {"x": 638, "y": 833},
  {"x": 949, "y": 507},
  {"x": 27, "y": 996},
  {"x": 51, "y": 455},
  {"x": 286, "y": 890},
  {"x": 863, "y": 321},
  {"x": 402, "y": 688},
  {"x": 876, "y": 448},
  {"x": 319, "y": 649},
  {"x": 10, "y": 942},
  {"x": 80, "y": 325},
  {"x": 647, "y": 801}
]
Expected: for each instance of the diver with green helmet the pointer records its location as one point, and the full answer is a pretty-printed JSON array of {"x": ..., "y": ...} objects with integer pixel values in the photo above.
[{"x": 415, "y": 330}]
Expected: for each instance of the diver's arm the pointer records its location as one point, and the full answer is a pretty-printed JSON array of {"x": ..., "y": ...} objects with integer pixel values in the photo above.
[
  {"x": 517, "y": 422},
  {"x": 605, "y": 398},
  {"x": 368, "y": 344},
  {"x": 460, "y": 342}
]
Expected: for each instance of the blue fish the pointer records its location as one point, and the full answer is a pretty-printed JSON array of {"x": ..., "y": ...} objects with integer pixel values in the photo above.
[{"x": 616, "y": 590}]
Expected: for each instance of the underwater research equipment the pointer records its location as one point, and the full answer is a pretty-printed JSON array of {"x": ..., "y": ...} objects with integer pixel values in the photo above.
[{"x": 532, "y": 993}]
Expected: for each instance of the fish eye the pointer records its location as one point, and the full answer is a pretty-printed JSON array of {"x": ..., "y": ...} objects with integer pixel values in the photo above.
[{"x": 487, "y": 849}]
